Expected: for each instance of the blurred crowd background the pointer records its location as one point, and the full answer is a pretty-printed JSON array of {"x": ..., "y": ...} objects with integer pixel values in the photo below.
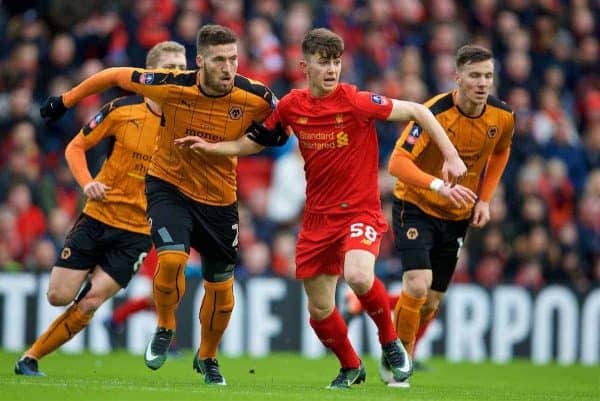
[{"x": 545, "y": 224}]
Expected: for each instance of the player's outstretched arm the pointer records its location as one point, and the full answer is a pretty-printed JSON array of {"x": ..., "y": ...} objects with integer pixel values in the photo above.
[
  {"x": 55, "y": 106},
  {"x": 241, "y": 147},
  {"x": 402, "y": 167},
  {"x": 402, "y": 110}
]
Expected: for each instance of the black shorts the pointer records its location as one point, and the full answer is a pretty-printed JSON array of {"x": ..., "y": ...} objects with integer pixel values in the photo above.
[
  {"x": 178, "y": 223},
  {"x": 426, "y": 242},
  {"x": 91, "y": 243}
]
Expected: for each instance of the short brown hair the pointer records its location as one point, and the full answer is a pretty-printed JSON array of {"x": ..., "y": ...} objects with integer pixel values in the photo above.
[
  {"x": 324, "y": 42},
  {"x": 472, "y": 54},
  {"x": 163, "y": 47},
  {"x": 212, "y": 35}
]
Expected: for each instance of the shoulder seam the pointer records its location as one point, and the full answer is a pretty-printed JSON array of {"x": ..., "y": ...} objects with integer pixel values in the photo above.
[
  {"x": 442, "y": 103},
  {"x": 187, "y": 78},
  {"x": 108, "y": 108},
  {"x": 254, "y": 87},
  {"x": 495, "y": 102},
  {"x": 126, "y": 101}
]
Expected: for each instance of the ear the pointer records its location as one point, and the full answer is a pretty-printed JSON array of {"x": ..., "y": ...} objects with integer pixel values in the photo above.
[
  {"x": 303, "y": 65},
  {"x": 457, "y": 77},
  {"x": 199, "y": 61}
]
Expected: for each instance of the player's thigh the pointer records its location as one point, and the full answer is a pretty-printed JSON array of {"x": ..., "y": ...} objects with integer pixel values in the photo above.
[
  {"x": 320, "y": 291},
  {"x": 361, "y": 231},
  {"x": 414, "y": 235},
  {"x": 125, "y": 253},
  {"x": 81, "y": 252},
  {"x": 64, "y": 284},
  {"x": 102, "y": 287},
  {"x": 169, "y": 215},
  {"x": 359, "y": 269},
  {"x": 445, "y": 254},
  {"x": 215, "y": 234},
  {"x": 361, "y": 242},
  {"x": 320, "y": 247}
]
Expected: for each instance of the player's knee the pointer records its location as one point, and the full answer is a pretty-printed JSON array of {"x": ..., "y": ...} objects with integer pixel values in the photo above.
[
  {"x": 319, "y": 312},
  {"x": 171, "y": 266},
  {"x": 431, "y": 305},
  {"x": 429, "y": 308},
  {"x": 415, "y": 284},
  {"x": 90, "y": 303},
  {"x": 359, "y": 275},
  {"x": 57, "y": 297},
  {"x": 359, "y": 280}
]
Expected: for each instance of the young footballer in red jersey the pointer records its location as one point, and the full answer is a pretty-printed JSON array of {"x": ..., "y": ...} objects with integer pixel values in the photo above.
[
  {"x": 343, "y": 222},
  {"x": 111, "y": 238}
]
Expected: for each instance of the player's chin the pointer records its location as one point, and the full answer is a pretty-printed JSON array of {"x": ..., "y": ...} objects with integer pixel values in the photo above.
[
  {"x": 480, "y": 98},
  {"x": 227, "y": 86},
  {"x": 329, "y": 85}
]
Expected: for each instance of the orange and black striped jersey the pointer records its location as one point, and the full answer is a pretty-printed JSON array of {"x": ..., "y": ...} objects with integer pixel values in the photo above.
[
  {"x": 475, "y": 138},
  {"x": 188, "y": 111},
  {"x": 131, "y": 128}
]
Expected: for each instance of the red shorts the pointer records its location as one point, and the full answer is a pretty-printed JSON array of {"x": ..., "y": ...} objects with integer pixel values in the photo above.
[
  {"x": 324, "y": 240},
  {"x": 149, "y": 266}
]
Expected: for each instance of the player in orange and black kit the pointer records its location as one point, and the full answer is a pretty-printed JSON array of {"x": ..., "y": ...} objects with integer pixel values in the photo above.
[
  {"x": 111, "y": 238},
  {"x": 191, "y": 197},
  {"x": 430, "y": 226}
]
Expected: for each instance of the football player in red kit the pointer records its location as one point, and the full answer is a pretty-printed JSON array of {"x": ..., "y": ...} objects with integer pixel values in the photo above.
[{"x": 343, "y": 223}]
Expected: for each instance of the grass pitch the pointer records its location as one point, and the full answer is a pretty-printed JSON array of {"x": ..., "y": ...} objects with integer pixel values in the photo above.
[{"x": 121, "y": 376}]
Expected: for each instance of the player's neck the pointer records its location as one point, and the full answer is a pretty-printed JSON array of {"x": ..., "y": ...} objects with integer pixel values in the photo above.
[
  {"x": 318, "y": 92},
  {"x": 467, "y": 106}
]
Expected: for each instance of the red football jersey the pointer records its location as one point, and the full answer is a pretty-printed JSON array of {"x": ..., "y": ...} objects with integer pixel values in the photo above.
[{"x": 338, "y": 141}]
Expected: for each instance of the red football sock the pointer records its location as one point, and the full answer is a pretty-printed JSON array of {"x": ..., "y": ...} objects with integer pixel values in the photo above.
[
  {"x": 130, "y": 307},
  {"x": 376, "y": 305},
  {"x": 333, "y": 333}
]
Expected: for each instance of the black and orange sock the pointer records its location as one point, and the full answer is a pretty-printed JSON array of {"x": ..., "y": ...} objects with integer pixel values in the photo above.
[
  {"x": 61, "y": 330},
  {"x": 169, "y": 286},
  {"x": 406, "y": 319},
  {"x": 215, "y": 312}
]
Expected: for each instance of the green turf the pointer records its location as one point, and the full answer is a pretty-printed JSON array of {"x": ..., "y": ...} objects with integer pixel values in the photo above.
[{"x": 122, "y": 376}]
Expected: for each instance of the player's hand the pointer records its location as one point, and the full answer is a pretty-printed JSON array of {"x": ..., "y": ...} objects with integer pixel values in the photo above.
[
  {"x": 52, "y": 109},
  {"x": 195, "y": 143},
  {"x": 481, "y": 214},
  {"x": 95, "y": 190},
  {"x": 460, "y": 196},
  {"x": 260, "y": 134},
  {"x": 453, "y": 169}
]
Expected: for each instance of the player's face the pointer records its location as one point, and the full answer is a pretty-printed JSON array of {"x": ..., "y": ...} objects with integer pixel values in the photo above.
[
  {"x": 172, "y": 61},
  {"x": 475, "y": 81},
  {"x": 218, "y": 66},
  {"x": 323, "y": 73}
]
